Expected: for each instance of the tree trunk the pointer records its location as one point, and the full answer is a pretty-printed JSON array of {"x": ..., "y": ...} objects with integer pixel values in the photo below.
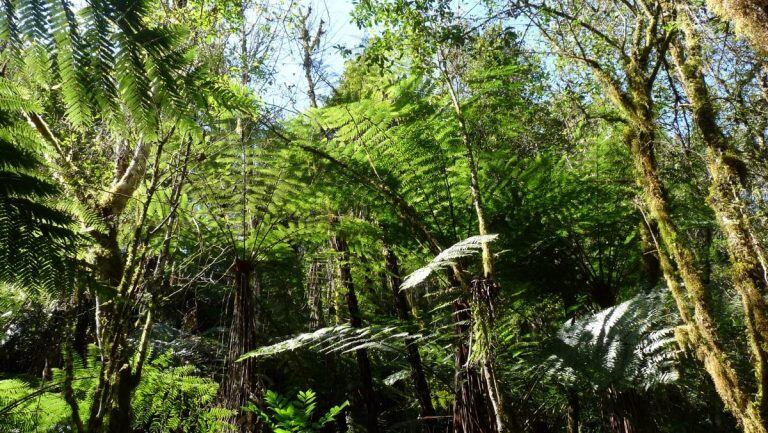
[
  {"x": 309, "y": 44},
  {"x": 241, "y": 384},
  {"x": 727, "y": 195},
  {"x": 651, "y": 267},
  {"x": 633, "y": 96},
  {"x": 472, "y": 410},
  {"x": 750, "y": 17},
  {"x": 68, "y": 367},
  {"x": 482, "y": 314},
  {"x": 573, "y": 412},
  {"x": 108, "y": 403},
  {"x": 703, "y": 331},
  {"x": 366, "y": 391},
  {"x": 625, "y": 412},
  {"x": 314, "y": 295},
  {"x": 426, "y": 410}
]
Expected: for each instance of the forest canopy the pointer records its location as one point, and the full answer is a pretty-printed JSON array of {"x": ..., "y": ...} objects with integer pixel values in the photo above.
[{"x": 465, "y": 216}]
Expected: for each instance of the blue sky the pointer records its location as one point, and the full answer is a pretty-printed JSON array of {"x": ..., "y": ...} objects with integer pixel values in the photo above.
[{"x": 290, "y": 86}]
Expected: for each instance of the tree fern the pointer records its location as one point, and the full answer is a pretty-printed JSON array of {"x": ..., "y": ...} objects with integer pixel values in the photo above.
[
  {"x": 34, "y": 19},
  {"x": 71, "y": 63},
  {"x": 447, "y": 258},
  {"x": 630, "y": 345},
  {"x": 340, "y": 339},
  {"x": 173, "y": 399},
  {"x": 35, "y": 240},
  {"x": 105, "y": 58},
  {"x": 9, "y": 28}
]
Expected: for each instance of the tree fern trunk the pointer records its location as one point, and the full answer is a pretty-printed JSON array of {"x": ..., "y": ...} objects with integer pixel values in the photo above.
[
  {"x": 241, "y": 384},
  {"x": 367, "y": 394},
  {"x": 625, "y": 412},
  {"x": 573, "y": 411},
  {"x": 314, "y": 296},
  {"x": 424, "y": 397},
  {"x": 483, "y": 324},
  {"x": 472, "y": 410}
]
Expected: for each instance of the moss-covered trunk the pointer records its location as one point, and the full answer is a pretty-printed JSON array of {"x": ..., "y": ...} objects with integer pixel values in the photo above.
[
  {"x": 727, "y": 199},
  {"x": 114, "y": 323},
  {"x": 704, "y": 336},
  {"x": 472, "y": 411},
  {"x": 750, "y": 17}
]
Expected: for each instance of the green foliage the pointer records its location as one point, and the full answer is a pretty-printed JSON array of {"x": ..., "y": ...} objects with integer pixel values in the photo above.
[
  {"x": 631, "y": 345},
  {"x": 169, "y": 399},
  {"x": 173, "y": 399},
  {"x": 34, "y": 405},
  {"x": 383, "y": 164},
  {"x": 108, "y": 64},
  {"x": 36, "y": 242},
  {"x": 32, "y": 410},
  {"x": 285, "y": 415},
  {"x": 446, "y": 258},
  {"x": 575, "y": 223}
]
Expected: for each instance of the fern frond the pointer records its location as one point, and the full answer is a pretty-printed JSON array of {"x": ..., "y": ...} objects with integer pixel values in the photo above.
[
  {"x": 71, "y": 64},
  {"x": 339, "y": 339},
  {"x": 631, "y": 344},
  {"x": 36, "y": 242},
  {"x": 34, "y": 20},
  {"x": 446, "y": 259},
  {"x": 9, "y": 29}
]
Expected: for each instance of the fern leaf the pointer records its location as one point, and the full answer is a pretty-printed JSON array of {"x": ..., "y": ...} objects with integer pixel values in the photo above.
[{"x": 446, "y": 258}]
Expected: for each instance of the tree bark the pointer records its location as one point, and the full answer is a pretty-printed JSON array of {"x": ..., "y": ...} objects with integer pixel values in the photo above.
[
  {"x": 366, "y": 390},
  {"x": 750, "y": 17},
  {"x": 309, "y": 44},
  {"x": 241, "y": 385},
  {"x": 573, "y": 411},
  {"x": 635, "y": 101},
  {"x": 125, "y": 272},
  {"x": 472, "y": 411},
  {"x": 625, "y": 412},
  {"x": 420, "y": 384},
  {"x": 727, "y": 195},
  {"x": 703, "y": 331},
  {"x": 482, "y": 306},
  {"x": 314, "y": 296},
  {"x": 69, "y": 373},
  {"x": 651, "y": 265}
]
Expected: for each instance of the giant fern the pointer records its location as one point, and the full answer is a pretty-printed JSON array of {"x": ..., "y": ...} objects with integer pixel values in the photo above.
[
  {"x": 36, "y": 243},
  {"x": 105, "y": 57},
  {"x": 630, "y": 345}
]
